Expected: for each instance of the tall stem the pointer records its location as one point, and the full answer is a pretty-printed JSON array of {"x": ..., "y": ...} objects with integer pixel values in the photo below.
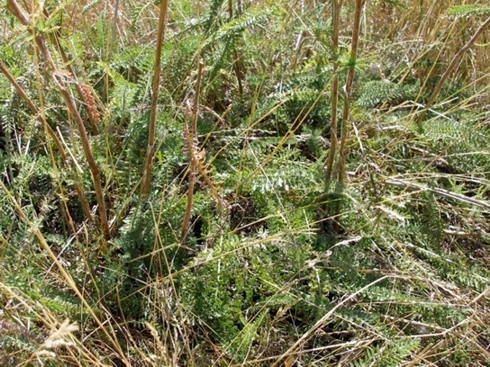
[
  {"x": 192, "y": 144},
  {"x": 348, "y": 89},
  {"x": 154, "y": 100},
  {"x": 336, "y": 6}
]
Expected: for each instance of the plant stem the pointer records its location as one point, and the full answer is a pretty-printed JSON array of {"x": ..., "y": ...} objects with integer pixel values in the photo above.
[
  {"x": 192, "y": 144},
  {"x": 336, "y": 6},
  {"x": 348, "y": 89},
  {"x": 154, "y": 100}
]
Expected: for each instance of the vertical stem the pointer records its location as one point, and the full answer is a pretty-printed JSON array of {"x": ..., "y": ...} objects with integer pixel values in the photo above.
[
  {"x": 113, "y": 30},
  {"x": 154, "y": 100},
  {"x": 236, "y": 58},
  {"x": 348, "y": 89},
  {"x": 55, "y": 38},
  {"x": 192, "y": 144},
  {"x": 336, "y": 6}
]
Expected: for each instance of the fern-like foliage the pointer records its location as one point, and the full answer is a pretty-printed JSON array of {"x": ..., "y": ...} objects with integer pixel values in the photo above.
[
  {"x": 462, "y": 11},
  {"x": 224, "y": 39},
  {"x": 240, "y": 345},
  {"x": 463, "y": 140},
  {"x": 388, "y": 354},
  {"x": 229, "y": 31},
  {"x": 374, "y": 92}
]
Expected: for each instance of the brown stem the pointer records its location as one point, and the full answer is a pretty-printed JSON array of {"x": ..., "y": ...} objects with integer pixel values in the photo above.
[
  {"x": 450, "y": 68},
  {"x": 59, "y": 80},
  {"x": 154, "y": 100},
  {"x": 192, "y": 144},
  {"x": 67, "y": 64}
]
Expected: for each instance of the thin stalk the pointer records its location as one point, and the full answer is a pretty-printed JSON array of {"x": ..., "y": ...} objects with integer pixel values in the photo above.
[
  {"x": 336, "y": 6},
  {"x": 236, "y": 61},
  {"x": 348, "y": 88},
  {"x": 113, "y": 30},
  {"x": 67, "y": 65},
  {"x": 192, "y": 144},
  {"x": 455, "y": 60},
  {"x": 59, "y": 78},
  {"x": 145, "y": 187}
]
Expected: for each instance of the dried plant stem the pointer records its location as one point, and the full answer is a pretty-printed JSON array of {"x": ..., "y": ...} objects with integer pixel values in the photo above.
[
  {"x": 192, "y": 144},
  {"x": 59, "y": 80},
  {"x": 454, "y": 62},
  {"x": 190, "y": 189},
  {"x": 336, "y": 6},
  {"x": 348, "y": 89},
  {"x": 154, "y": 100},
  {"x": 67, "y": 66},
  {"x": 49, "y": 130}
]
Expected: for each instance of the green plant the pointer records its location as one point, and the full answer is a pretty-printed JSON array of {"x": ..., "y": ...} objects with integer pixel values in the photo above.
[{"x": 239, "y": 253}]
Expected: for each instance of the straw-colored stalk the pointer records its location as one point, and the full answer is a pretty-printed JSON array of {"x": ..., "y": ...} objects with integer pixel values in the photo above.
[
  {"x": 192, "y": 145},
  {"x": 454, "y": 62},
  {"x": 147, "y": 167}
]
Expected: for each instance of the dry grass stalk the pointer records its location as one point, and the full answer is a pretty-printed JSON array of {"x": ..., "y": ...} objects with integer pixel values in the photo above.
[
  {"x": 147, "y": 167},
  {"x": 348, "y": 88},
  {"x": 454, "y": 62},
  {"x": 192, "y": 146}
]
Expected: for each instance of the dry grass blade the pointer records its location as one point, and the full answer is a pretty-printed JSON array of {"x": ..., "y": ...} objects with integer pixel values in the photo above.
[
  {"x": 454, "y": 62},
  {"x": 309, "y": 334},
  {"x": 452, "y": 195},
  {"x": 192, "y": 146}
]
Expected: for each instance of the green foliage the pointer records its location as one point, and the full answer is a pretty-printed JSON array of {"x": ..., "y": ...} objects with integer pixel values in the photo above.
[
  {"x": 399, "y": 275},
  {"x": 389, "y": 354},
  {"x": 468, "y": 10},
  {"x": 376, "y": 92}
]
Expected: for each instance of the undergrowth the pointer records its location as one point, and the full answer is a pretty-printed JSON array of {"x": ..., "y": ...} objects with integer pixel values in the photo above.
[{"x": 274, "y": 265}]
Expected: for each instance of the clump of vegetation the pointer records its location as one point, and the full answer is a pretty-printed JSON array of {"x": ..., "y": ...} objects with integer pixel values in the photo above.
[{"x": 244, "y": 183}]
